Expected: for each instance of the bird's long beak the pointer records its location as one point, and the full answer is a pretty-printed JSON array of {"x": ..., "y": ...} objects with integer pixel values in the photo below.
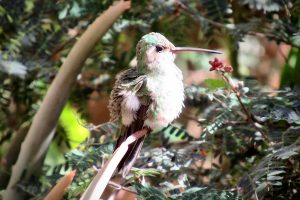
[{"x": 192, "y": 49}]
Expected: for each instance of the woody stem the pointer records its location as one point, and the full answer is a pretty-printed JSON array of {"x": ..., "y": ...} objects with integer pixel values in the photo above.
[{"x": 245, "y": 110}]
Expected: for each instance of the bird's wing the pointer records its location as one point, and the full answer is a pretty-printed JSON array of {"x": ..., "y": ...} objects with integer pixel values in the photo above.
[{"x": 130, "y": 81}]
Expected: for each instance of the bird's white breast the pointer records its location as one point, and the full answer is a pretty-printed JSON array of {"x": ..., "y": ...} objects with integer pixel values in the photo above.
[{"x": 167, "y": 92}]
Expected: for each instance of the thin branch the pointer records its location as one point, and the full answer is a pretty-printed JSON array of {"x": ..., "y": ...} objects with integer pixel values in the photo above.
[
  {"x": 120, "y": 187},
  {"x": 47, "y": 116},
  {"x": 199, "y": 121},
  {"x": 200, "y": 17},
  {"x": 63, "y": 45},
  {"x": 245, "y": 110},
  {"x": 58, "y": 191},
  {"x": 188, "y": 10}
]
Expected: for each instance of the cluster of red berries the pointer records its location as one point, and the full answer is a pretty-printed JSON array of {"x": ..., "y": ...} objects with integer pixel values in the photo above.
[{"x": 217, "y": 65}]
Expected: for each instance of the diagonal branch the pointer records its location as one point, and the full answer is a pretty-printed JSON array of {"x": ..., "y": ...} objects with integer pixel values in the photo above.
[
  {"x": 46, "y": 118},
  {"x": 59, "y": 189},
  {"x": 245, "y": 110}
]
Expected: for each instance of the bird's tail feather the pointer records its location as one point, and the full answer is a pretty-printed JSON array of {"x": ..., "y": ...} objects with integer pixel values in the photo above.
[
  {"x": 134, "y": 148},
  {"x": 132, "y": 153}
]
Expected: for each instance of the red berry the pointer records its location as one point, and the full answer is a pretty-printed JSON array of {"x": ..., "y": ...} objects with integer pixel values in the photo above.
[{"x": 217, "y": 65}]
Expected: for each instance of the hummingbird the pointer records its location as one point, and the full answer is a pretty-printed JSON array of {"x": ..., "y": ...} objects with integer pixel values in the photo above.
[{"x": 149, "y": 95}]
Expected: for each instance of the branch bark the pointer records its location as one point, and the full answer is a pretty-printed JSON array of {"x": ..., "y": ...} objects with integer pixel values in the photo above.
[
  {"x": 12, "y": 155},
  {"x": 47, "y": 116},
  {"x": 58, "y": 191}
]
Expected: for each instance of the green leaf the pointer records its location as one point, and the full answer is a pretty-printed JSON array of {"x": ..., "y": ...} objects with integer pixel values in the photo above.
[
  {"x": 13, "y": 68},
  {"x": 29, "y": 5},
  {"x": 273, "y": 173},
  {"x": 290, "y": 73},
  {"x": 149, "y": 193},
  {"x": 9, "y": 18},
  {"x": 193, "y": 193},
  {"x": 174, "y": 134},
  {"x": 145, "y": 172},
  {"x": 72, "y": 124},
  {"x": 291, "y": 135},
  {"x": 288, "y": 151},
  {"x": 2, "y": 11},
  {"x": 276, "y": 183},
  {"x": 214, "y": 83},
  {"x": 62, "y": 14},
  {"x": 75, "y": 10},
  {"x": 261, "y": 186},
  {"x": 199, "y": 193},
  {"x": 274, "y": 178},
  {"x": 295, "y": 39}
]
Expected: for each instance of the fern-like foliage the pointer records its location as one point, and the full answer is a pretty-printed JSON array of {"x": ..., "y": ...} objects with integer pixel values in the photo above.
[
  {"x": 267, "y": 6},
  {"x": 273, "y": 173},
  {"x": 236, "y": 157}
]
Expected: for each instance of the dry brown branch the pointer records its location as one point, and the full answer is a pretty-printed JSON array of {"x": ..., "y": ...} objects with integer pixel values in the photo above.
[
  {"x": 47, "y": 116},
  {"x": 244, "y": 109},
  {"x": 12, "y": 154},
  {"x": 120, "y": 187},
  {"x": 58, "y": 191}
]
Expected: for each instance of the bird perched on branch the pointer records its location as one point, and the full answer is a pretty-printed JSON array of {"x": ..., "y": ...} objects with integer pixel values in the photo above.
[{"x": 149, "y": 95}]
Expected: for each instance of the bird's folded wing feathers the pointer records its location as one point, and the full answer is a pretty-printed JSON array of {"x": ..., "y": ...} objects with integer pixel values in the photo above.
[
  {"x": 134, "y": 82},
  {"x": 128, "y": 81}
]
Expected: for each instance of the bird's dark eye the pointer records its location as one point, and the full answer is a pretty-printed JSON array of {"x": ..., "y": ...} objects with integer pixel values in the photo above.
[{"x": 159, "y": 48}]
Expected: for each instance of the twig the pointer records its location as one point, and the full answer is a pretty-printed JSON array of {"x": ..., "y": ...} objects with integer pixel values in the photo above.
[
  {"x": 247, "y": 112},
  {"x": 63, "y": 45},
  {"x": 120, "y": 187},
  {"x": 200, "y": 121},
  {"x": 190, "y": 11},
  {"x": 234, "y": 123},
  {"x": 61, "y": 186},
  {"x": 45, "y": 120},
  {"x": 218, "y": 66},
  {"x": 237, "y": 94},
  {"x": 200, "y": 17}
]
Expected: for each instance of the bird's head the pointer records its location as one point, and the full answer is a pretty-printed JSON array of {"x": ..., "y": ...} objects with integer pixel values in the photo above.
[{"x": 154, "y": 50}]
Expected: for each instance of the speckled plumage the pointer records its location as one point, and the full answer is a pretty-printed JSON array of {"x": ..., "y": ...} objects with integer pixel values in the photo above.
[
  {"x": 148, "y": 95},
  {"x": 128, "y": 81},
  {"x": 152, "y": 83}
]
